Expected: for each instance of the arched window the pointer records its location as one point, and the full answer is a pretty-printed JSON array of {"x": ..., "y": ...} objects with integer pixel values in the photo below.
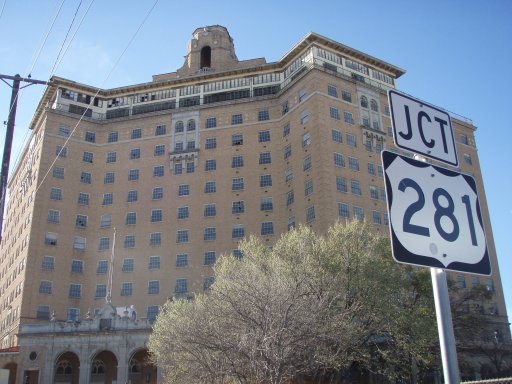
[
  {"x": 364, "y": 102},
  {"x": 64, "y": 368},
  {"x": 191, "y": 125},
  {"x": 178, "y": 127},
  {"x": 98, "y": 367},
  {"x": 206, "y": 57},
  {"x": 135, "y": 366},
  {"x": 374, "y": 106}
]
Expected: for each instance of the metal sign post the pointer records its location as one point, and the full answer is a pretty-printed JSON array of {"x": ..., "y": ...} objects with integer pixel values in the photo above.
[{"x": 434, "y": 213}]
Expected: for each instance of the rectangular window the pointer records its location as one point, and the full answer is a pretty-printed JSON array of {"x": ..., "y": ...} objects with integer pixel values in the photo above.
[
  {"x": 183, "y": 190},
  {"x": 73, "y": 314},
  {"x": 53, "y": 216},
  {"x": 132, "y": 196},
  {"x": 160, "y": 130},
  {"x": 210, "y": 165},
  {"x": 64, "y": 131},
  {"x": 210, "y": 210},
  {"x": 58, "y": 172},
  {"x": 133, "y": 175},
  {"x": 156, "y": 215},
  {"x": 390, "y": 131},
  {"x": 135, "y": 154},
  {"x": 90, "y": 137},
  {"x": 159, "y": 150},
  {"x": 332, "y": 90},
  {"x": 371, "y": 169},
  {"x": 102, "y": 267},
  {"x": 302, "y": 95},
  {"x": 178, "y": 168},
  {"x": 129, "y": 241},
  {"x": 339, "y": 161},
  {"x": 353, "y": 163},
  {"x": 310, "y": 214},
  {"x": 291, "y": 223},
  {"x": 348, "y": 118},
  {"x": 358, "y": 213},
  {"x": 288, "y": 175},
  {"x": 101, "y": 291},
  {"x": 50, "y": 238},
  {"x": 263, "y": 136},
  {"x": 368, "y": 146},
  {"x": 304, "y": 117},
  {"x": 306, "y": 140},
  {"x": 75, "y": 291},
  {"x": 128, "y": 265},
  {"x": 386, "y": 220},
  {"x": 237, "y": 184},
  {"x": 56, "y": 194},
  {"x": 265, "y": 181},
  {"x": 158, "y": 193},
  {"x": 211, "y": 122},
  {"x": 109, "y": 178},
  {"x": 266, "y": 204},
  {"x": 287, "y": 151},
  {"x": 379, "y": 171},
  {"x": 126, "y": 289},
  {"x": 77, "y": 266},
  {"x": 346, "y": 95},
  {"x": 267, "y": 228},
  {"x": 45, "y": 287},
  {"x": 152, "y": 313},
  {"x": 334, "y": 113},
  {"x": 181, "y": 286},
  {"x": 210, "y": 234},
  {"x": 383, "y": 194},
  {"x": 263, "y": 115},
  {"x": 307, "y": 163},
  {"x": 374, "y": 192},
  {"x": 105, "y": 221},
  {"x": 237, "y": 161},
  {"x": 290, "y": 198},
  {"x": 210, "y": 143},
  {"x": 79, "y": 243},
  {"x": 376, "y": 217},
  {"x": 88, "y": 157},
  {"x": 343, "y": 210},
  {"x": 341, "y": 184},
  {"x": 48, "y": 263},
  {"x": 108, "y": 199},
  {"x": 136, "y": 133},
  {"x": 464, "y": 139},
  {"x": 131, "y": 218},
  {"x": 238, "y": 231},
  {"x": 61, "y": 151},
  {"x": 155, "y": 239},
  {"x": 158, "y": 171},
  {"x": 181, "y": 260},
  {"x": 182, "y": 236},
  {"x": 113, "y": 137},
  {"x": 355, "y": 187},
  {"x": 308, "y": 187},
  {"x": 85, "y": 178},
  {"x": 111, "y": 157},
  {"x": 153, "y": 287},
  {"x": 154, "y": 262},
  {"x": 351, "y": 140},
  {"x": 81, "y": 221},
  {"x": 286, "y": 130},
  {"x": 209, "y": 258},
  {"x": 191, "y": 145},
  {"x": 210, "y": 187},
  {"x": 237, "y": 139},
  {"x": 336, "y": 136},
  {"x": 104, "y": 244},
  {"x": 43, "y": 312},
  {"x": 467, "y": 159},
  {"x": 208, "y": 282},
  {"x": 265, "y": 158},
  {"x": 237, "y": 207},
  {"x": 237, "y": 119}
]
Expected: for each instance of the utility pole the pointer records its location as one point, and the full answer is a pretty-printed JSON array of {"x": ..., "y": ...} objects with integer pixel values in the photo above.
[{"x": 16, "y": 80}]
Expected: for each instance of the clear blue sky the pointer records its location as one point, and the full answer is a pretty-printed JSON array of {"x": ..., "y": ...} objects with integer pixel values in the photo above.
[{"x": 457, "y": 55}]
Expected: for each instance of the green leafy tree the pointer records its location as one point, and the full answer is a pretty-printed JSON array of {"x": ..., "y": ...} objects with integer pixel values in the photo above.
[{"x": 313, "y": 308}]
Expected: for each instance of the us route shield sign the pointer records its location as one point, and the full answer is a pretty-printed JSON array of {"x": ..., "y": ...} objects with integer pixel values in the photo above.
[{"x": 434, "y": 216}]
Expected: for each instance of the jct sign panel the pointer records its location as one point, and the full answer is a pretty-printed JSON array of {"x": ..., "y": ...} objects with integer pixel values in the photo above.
[
  {"x": 434, "y": 216},
  {"x": 422, "y": 128}
]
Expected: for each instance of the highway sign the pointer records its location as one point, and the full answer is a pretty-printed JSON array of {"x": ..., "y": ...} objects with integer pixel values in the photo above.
[
  {"x": 422, "y": 128},
  {"x": 434, "y": 216}
]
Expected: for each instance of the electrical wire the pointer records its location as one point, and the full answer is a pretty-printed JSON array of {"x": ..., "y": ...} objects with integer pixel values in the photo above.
[{"x": 97, "y": 92}]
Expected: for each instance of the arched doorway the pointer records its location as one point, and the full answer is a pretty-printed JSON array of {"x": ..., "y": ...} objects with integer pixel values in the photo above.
[
  {"x": 140, "y": 368},
  {"x": 67, "y": 368},
  {"x": 104, "y": 368},
  {"x": 12, "y": 367}
]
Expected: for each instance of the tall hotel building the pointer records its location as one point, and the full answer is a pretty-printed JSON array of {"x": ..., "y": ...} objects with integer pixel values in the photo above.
[{"x": 172, "y": 173}]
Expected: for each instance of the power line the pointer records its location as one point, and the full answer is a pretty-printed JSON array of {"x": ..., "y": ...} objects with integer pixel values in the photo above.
[
  {"x": 2, "y": 10},
  {"x": 98, "y": 91}
]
